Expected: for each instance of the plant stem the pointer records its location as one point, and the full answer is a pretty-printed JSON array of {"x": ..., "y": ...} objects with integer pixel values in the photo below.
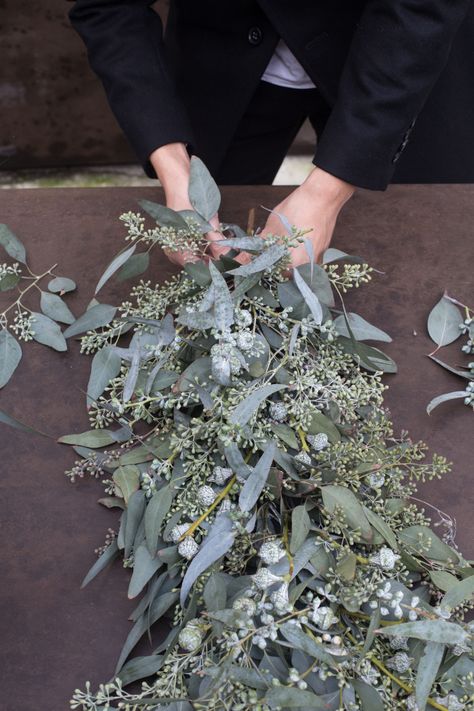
[{"x": 206, "y": 513}]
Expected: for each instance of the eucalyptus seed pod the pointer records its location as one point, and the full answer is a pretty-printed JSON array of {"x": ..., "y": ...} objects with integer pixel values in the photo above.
[{"x": 188, "y": 548}]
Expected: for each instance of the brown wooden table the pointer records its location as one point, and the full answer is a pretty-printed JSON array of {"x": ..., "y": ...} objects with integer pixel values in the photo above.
[{"x": 55, "y": 636}]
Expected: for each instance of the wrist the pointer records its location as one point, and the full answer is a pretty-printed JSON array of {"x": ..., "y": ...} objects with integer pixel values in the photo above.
[
  {"x": 172, "y": 165},
  {"x": 328, "y": 187}
]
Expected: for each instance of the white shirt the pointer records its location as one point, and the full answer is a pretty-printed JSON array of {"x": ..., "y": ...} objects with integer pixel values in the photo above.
[{"x": 284, "y": 69}]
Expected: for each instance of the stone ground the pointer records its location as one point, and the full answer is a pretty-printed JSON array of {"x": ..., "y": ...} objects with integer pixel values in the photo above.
[{"x": 292, "y": 172}]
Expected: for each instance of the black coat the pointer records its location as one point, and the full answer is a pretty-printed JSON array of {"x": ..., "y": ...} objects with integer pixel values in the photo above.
[{"x": 381, "y": 64}]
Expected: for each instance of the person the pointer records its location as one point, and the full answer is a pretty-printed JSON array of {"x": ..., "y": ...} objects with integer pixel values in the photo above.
[{"x": 233, "y": 81}]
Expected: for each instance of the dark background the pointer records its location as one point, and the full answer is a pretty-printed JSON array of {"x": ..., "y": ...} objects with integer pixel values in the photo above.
[{"x": 53, "y": 110}]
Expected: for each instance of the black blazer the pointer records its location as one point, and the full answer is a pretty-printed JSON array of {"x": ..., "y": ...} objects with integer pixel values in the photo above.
[{"x": 375, "y": 61}]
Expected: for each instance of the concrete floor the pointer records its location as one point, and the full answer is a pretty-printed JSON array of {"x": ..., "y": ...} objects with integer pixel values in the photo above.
[{"x": 292, "y": 172}]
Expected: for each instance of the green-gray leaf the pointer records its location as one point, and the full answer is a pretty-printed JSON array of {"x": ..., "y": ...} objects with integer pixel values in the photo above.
[
  {"x": 429, "y": 630},
  {"x": 204, "y": 194},
  {"x": 9, "y": 281},
  {"x": 444, "y": 321},
  {"x": 140, "y": 668},
  {"x": 95, "y": 317},
  {"x": 300, "y": 640},
  {"x": 47, "y": 332},
  {"x": 456, "y": 395},
  {"x": 257, "y": 479},
  {"x": 155, "y": 513},
  {"x": 369, "y": 696},
  {"x": 144, "y": 567},
  {"x": 61, "y": 285},
  {"x": 340, "y": 496},
  {"x": 264, "y": 260},
  {"x": 105, "y": 367},
  {"x": 114, "y": 266},
  {"x": 127, "y": 478},
  {"x": 95, "y": 439},
  {"x": 110, "y": 553},
  {"x": 134, "y": 266},
  {"x": 164, "y": 216},
  {"x": 361, "y": 329},
  {"x": 290, "y": 697},
  {"x": 245, "y": 409},
  {"x": 462, "y": 591},
  {"x": 300, "y": 526},
  {"x": 12, "y": 245},
  {"x": 10, "y": 356},
  {"x": 427, "y": 671},
  {"x": 205, "y": 557},
  {"x": 53, "y": 306},
  {"x": 223, "y": 304},
  {"x": 311, "y": 299}
]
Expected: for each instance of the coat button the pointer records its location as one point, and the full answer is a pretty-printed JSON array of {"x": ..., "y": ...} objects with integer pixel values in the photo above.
[{"x": 255, "y": 35}]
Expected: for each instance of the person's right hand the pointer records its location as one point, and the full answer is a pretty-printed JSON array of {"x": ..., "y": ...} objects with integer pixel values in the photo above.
[{"x": 172, "y": 166}]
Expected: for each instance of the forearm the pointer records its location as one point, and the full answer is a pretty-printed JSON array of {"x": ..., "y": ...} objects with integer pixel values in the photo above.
[{"x": 125, "y": 49}]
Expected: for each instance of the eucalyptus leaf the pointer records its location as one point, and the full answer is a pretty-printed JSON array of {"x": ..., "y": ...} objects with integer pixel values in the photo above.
[
  {"x": 61, "y": 285},
  {"x": 127, "y": 478},
  {"x": 105, "y": 367},
  {"x": 9, "y": 281},
  {"x": 416, "y": 537},
  {"x": 110, "y": 553},
  {"x": 346, "y": 500},
  {"x": 446, "y": 397},
  {"x": 427, "y": 672},
  {"x": 265, "y": 260},
  {"x": 223, "y": 304},
  {"x": 245, "y": 409},
  {"x": 164, "y": 216},
  {"x": 144, "y": 567},
  {"x": 12, "y": 245},
  {"x": 257, "y": 479},
  {"x": 310, "y": 298},
  {"x": 300, "y": 527},
  {"x": 134, "y": 266},
  {"x": 369, "y": 696},
  {"x": 95, "y": 439},
  {"x": 135, "y": 511},
  {"x": 114, "y": 266},
  {"x": 439, "y": 631},
  {"x": 140, "y": 668},
  {"x": 6, "y": 419},
  {"x": 204, "y": 194},
  {"x": 157, "y": 509},
  {"x": 10, "y": 356},
  {"x": 444, "y": 321},
  {"x": 361, "y": 329},
  {"x": 97, "y": 316},
  {"x": 300, "y": 640},
  {"x": 461, "y": 592},
  {"x": 53, "y": 306},
  {"x": 47, "y": 332},
  {"x": 205, "y": 557},
  {"x": 290, "y": 697}
]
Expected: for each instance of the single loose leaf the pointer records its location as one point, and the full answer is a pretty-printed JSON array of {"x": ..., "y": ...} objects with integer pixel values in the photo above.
[
  {"x": 444, "y": 321},
  {"x": 53, "y": 306},
  {"x": 204, "y": 194},
  {"x": 10, "y": 356},
  {"x": 12, "y": 245},
  {"x": 95, "y": 439},
  {"x": 257, "y": 479},
  {"x": 47, "y": 332},
  {"x": 95, "y": 317},
  {"x": 114, "y": 266}
]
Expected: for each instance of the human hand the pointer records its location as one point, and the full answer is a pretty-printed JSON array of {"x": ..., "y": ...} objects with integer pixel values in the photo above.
[
  {"x": 315, "y": 206},
  {"x": 172, "y": 165}
]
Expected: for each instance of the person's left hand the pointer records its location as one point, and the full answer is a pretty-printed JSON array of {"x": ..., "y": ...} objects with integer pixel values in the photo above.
[{"x": 315, "y": 206}]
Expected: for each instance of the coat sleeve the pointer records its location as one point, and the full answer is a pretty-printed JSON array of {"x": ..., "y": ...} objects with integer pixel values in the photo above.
[
  {"x": 124, "y": 40},
  {"x": 397, "y": 52}
]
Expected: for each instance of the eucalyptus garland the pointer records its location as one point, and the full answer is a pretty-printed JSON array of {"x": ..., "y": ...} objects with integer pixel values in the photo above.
[{"x": 268, "y": 511}]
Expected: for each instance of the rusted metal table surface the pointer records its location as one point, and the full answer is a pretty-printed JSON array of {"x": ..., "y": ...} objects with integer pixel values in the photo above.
[{"x": 55, "y": 636}]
